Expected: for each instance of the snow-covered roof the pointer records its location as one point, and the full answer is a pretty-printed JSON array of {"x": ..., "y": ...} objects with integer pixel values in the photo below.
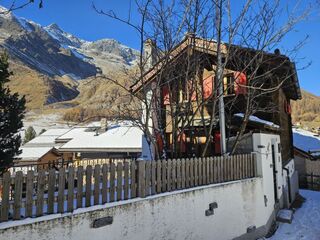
[
  {"x": 55, "y": 132},
  {"x": 47, "y": 139},
  {"x": 258, "y": 120},
  {"x": 33, "y": 153},
  {"x": 118, "y": 138},
  {"x": 74, "y": 133},
  {"x": 305, "y": 140}
]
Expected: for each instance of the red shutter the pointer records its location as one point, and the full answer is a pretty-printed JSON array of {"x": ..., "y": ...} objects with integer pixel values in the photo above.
[
  {"x": 182, "y": 141},
  {"x": 166, "y": 97},
  {"x": 240, "y": 83},
  {"x": 159, "y": 142},
  {"x": 207, "y": 87},
  {"x": 217, "y": 146}
]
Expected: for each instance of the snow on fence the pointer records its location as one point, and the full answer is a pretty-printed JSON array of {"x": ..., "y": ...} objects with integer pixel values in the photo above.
[
  {"x": 46, "y": 192},
  {"x": 63, "y": 163}
]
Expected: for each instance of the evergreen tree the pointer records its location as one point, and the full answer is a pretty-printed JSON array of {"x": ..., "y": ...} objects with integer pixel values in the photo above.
[
  {"x": 29, "y": 135},
  {"x": 11, "y": 114},
  {"x": 42, "y": 131}
]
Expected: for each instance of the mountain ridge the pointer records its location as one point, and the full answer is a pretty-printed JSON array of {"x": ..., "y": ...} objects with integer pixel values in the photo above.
[
  {"x": 55, "y": 60},
  {"x": 66, "y": 70}
]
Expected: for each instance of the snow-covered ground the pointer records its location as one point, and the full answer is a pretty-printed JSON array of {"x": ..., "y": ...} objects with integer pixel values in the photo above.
[{"x": 306, "y": 220}]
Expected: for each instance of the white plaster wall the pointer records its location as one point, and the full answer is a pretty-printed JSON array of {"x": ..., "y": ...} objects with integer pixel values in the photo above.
[
  {"x": 262, "y": 148},
  {"x": 177, "y": 215}
]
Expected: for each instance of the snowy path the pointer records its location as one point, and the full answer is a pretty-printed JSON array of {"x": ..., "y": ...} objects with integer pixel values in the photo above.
[{"x": 306, "y": 220}]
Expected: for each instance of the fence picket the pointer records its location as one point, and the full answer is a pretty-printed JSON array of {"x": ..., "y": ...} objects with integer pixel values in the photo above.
[
  {"x": 61, "y": 186},
  {"x": 148, "y": 177},
  {"x": 141, "y": 179},
  {"x": 104, "y": 191},
  {"x": 211, "y": 170},
  {"x": 17, "y": 195},
  {"x": 164, "y": 175},
  {"x": 88, "y": 185},
  {"x": 112, "y": 180},
  {"x": 178, "y": 173},
  {"x": 174, "y": 174},
  {"x": 133, "y": 185},
  {"x": 29, "y": 193},
  {"x": 183, "y": 173},
  {"x": 159, "y": 183},
  {"x": 96, "y": 184},
  {"x": 187, "y": 165},
  {"x": 80, "y": 187},
  {"x": 196, "y": 171},
  {"x": 126, "y": 180},
  {"x": 192, "y": 172},
  {"x": 70, "y": 197},
  {"x": 237, "y": 167},
  {"x": 169, "y": 172},
  {"x": 119, "y": 181},
  {"x": 207, "y": 168},
  {"x": 153, "y": 177},
  {"x": 5, "y": 197}
]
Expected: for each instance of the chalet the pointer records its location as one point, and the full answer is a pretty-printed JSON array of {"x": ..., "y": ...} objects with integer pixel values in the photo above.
[
  {"x": 36, "y": 156},
  {"x": 182, "y": 90},
  {"x": 118, "y": 140}
]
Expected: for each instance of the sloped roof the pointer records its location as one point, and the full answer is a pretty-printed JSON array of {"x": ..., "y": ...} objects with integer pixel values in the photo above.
[
  {"x": 33, "y": 153},
  {"x": 210, "y": 47},
  {"x": 306, "y": 141},
  {"x": 118, "y": 138}
]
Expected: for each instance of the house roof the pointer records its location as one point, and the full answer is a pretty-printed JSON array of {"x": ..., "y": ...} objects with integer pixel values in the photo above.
[
  {"x": 34, "y": 153},
  {"x": 210, "y": 46},
  {"x": 303, "y": 153},
  {"x": 73, "y": 133},
  {"x": 46, "y": 139},
  {"x": 117, "y": 138},
  {"x": 306, "y": 141}
]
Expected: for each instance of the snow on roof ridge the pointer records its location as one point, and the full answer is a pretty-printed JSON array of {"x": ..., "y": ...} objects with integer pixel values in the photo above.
[{"x": 257, "y": 119}]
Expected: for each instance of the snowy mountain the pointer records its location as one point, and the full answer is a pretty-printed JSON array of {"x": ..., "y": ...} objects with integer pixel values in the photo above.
[{"x": 57, "y": 58}]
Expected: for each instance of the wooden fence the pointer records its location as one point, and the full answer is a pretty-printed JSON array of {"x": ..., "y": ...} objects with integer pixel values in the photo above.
[
  {"x": 47, "y": 192},
  {"x": 309, "y": 181},
  {"x": 64, "y": 164}
]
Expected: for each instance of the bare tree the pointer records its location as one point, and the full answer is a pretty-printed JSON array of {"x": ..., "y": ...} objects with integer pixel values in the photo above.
[
  {"x": 15, "y": 6},
  {"x": 220, "y": 38}
]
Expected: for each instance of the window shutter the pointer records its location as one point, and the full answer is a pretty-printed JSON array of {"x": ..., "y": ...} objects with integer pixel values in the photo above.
[
  {"x": 166, "y": 97},
  {"x": 240, "y": 83}
]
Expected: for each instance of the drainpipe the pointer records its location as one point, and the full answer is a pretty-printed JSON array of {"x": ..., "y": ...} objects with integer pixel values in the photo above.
[{"x": 288, "y": 182}]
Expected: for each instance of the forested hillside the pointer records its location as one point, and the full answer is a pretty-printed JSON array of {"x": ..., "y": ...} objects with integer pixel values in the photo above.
[{"x": 307, "y": 110}]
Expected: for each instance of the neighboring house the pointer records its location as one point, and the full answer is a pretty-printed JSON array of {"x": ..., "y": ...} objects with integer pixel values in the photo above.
[
  {"x": 47, "y": 139},
  {"x": 93, "y": 141},
  {"x": 306, "y": 154},
  {"x": 191, "y": 138},
  {"x": 307, "y": 141},
  {"x": 41, "y": 150},
  {"x": 40, "y": 156},
  {"x": 116, "y": 141}
]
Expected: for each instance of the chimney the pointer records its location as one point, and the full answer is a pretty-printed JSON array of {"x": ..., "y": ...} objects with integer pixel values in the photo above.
[
  {"x": 150, "y": 53},
  {"x": 103, "y": 125}
]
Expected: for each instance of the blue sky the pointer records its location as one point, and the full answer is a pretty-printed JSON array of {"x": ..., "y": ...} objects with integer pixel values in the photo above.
[{"x": 79, "y": 18}]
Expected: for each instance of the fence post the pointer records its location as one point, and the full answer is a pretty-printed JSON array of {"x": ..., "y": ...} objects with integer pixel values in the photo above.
[
  {"x": 5, "y": 197},
  {"x": 17, "y": 195},
  {"x": 141, "y": 179}
]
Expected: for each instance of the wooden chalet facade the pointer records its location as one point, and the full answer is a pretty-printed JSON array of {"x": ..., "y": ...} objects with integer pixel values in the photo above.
[{"x": 195, "y": 58}]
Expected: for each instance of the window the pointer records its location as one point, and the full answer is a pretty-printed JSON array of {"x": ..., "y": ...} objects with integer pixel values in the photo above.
[
  {"x": 235, "y": 83},
  {"x": 228, "y": 84}
]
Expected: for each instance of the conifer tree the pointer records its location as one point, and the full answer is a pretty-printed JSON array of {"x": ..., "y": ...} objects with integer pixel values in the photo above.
[
  {"x": 30, "y": 134},
  {"x": 12, "y": 109}
]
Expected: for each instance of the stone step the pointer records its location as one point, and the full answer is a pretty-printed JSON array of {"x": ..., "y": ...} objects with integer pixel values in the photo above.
[{"x": 285, "y": 216}]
